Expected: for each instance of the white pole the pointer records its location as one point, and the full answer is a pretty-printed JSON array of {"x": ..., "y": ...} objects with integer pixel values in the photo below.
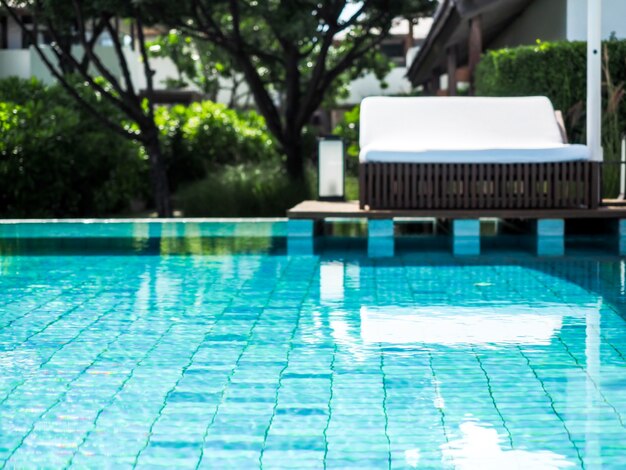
[{"x": 594, "y": 78}]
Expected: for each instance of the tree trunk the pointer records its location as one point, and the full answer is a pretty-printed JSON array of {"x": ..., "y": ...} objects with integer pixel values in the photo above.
[
  {"x": 158, "y": 176},
  {"x": 295, "y": 159}
]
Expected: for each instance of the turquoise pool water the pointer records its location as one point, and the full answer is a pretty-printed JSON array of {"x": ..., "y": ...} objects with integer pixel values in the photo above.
[{"x": 227, "y": 353}]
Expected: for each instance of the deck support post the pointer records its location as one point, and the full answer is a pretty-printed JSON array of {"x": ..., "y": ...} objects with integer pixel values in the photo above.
[
  {"x": 300, "y": 233},
  {"x": 550, "y": 237},
  {"x": 466, "y": 237},
  {"x": 380, "y": 242}
]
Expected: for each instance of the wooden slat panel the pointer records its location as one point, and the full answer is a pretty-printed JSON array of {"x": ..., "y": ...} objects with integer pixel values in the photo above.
[
  {"x": 362, "y": 186},
  {"x": 533, "y": 186},
  {"x": 550, "y": 180},
  {"x": 539, "y": 189},
  {"x": 454, "y": 183},
  {"x": 561, "y": 173},
  {"x": 369, "y": 175},
  {"x": 526, "y": 186},
  {"x": 370, "y": 185},
  {"x": 400, "y": 186},
  {"x": 479, "y": 186},
  {"x": 502, "y": 188},
  {"x": 419, "y": 186},
  {"x": 422, "y": 178},
  {"x": 436, "y": 191},
  {"x": 519, "y": 182},
  {"x": 478, "y": 183},
  {"x": 579, "y": 193},
  {"x": 397, "y": 187},
  {"x": 443, "y": 187},
  {"x": 571, "y": 196},
  {"x": 596, "y": 184},
  {"x": 585, "y": 185},
  {"x": 491, "y": 185},
  {"x": 406, "y": 185},
  {"x": 484, "y": 185},
  {"x": 412, "y": 183},
  {"x": 465, "y": 197},
  {"x": 392, "y": 185},
  {"x": 496, "y": 183},
  {"x": 559, "y": 185},
  {"x": 430, "y": 185},
  {"x": 385, "y": 186},
  {"x": 472, "y": 184}
]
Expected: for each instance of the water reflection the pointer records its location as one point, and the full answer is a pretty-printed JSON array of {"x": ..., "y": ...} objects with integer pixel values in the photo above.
[
  {"x": 480, "y": 448},
  {"x": 491, "y": 325}
]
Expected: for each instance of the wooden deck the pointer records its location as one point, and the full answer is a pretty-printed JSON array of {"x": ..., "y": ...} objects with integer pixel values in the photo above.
[{"x": 317, "y": 210}]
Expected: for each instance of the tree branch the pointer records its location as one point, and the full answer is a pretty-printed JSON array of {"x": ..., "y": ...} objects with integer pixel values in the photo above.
[
  {"x": 146, "y": 66},
  {"x": 64, "y": 83},
  {"x": 117, "y": 102},
  {"x": 257, "y": 86},
  {"x": 89, "y": 48},
  {"x": 122, "y": 59}
]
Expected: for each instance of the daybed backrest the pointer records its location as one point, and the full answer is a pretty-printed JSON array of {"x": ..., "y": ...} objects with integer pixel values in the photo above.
[{"x": 458, "y": 123}]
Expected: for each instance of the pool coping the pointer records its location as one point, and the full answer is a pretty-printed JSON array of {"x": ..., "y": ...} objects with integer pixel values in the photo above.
[{"x": 144, "y": 220}]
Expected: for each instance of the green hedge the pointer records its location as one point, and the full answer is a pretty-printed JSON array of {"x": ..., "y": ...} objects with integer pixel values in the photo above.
[
  {"x": 246, "y": 190},
  {"x": 558, "y": 70},
  {"x": 56, "y": 160},
  {"x": 198, "y": 137}
]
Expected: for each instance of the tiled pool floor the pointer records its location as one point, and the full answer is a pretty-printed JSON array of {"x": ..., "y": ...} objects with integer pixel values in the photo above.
[{"x": 255, "y": 361}]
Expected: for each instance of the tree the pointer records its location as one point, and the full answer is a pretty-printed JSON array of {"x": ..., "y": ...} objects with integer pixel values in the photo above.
[
  {"x": 292, "y": 52},
  {"x": 201, "y": 64},
  {"x": 69, "y": 23}
]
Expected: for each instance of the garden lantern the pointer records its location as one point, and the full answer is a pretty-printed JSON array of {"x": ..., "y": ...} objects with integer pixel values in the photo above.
[{"x": 331, "y": 169}]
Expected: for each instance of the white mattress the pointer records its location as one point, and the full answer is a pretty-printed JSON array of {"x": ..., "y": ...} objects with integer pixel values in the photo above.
[
  {"x": 463, "y": 130},
  {"x": 564, "y": 153}
]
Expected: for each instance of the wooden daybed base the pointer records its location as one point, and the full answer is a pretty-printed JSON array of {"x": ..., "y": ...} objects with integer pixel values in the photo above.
[{"x": 562, "y": 185}]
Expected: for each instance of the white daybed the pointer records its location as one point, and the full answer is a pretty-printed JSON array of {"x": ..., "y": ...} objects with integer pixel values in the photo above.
[{"x": 471, "y": 153}]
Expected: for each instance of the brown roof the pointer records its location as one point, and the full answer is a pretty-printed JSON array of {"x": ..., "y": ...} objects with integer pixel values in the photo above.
[{"x": 451, "y": 28}]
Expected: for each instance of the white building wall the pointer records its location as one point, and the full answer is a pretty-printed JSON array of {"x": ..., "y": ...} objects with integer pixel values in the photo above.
[
  {"x": 14, "y": 35},
  {"x": 15, "y": 63},
  {"x": 396, "y": 81},
  {"x": 613, "y": 19},
  {"x": 26, "y": 63}
]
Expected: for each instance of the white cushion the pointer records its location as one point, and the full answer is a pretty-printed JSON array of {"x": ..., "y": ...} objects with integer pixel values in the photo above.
[
  {"x": 463, "y": 130},
  {"x": 563, "y": 153}
]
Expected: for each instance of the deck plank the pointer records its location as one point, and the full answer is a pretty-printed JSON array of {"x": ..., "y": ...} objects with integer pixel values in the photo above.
[{"x": 350, "y": 209}]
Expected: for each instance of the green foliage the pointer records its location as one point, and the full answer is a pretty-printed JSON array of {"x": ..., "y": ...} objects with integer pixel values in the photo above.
[
  {"x": 57, "y": 161},
  {"x": 296, "y": 56},
  {"x": 198, "y": 137},
  {"x": 246, "y": 190},
  {"x": 559, "y": 71},
  {"x": 348, "y": 130},
  {"x": 198, "y": 63}
]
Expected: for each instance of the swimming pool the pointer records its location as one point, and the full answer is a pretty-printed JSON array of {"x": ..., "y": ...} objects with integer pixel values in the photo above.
[{"x": 221, "y": 351}]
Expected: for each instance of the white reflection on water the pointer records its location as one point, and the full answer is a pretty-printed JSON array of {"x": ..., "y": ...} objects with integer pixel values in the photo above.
[
  {"x": 460, "y": 325},
  {"x": 479, "y": 449}
]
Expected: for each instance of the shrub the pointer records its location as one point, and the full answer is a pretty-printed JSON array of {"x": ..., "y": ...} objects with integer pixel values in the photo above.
[
  {"x": 246, "y": 190},
  {"x": 199, "y": 136},
  {"x": 348, "y": 130},
  {"x": 56, "y": 160},
  {"x": 559, "y": 71}
]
